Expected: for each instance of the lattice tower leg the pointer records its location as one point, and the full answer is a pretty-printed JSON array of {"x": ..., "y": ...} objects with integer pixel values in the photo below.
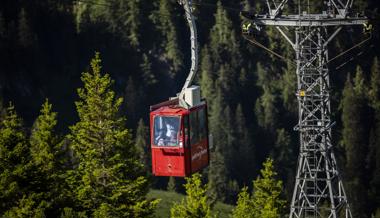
[{"x": 318, "y": 190}]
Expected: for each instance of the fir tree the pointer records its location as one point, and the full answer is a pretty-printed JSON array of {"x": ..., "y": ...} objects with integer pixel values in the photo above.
[
  {"x": 133, "y": 97},
  {"x": 44, "y": 149},
  {"x": 43, "y": 141},
  {"x": 206, "y": 75},
  {"x": 108, "y": 180},
  {"x": 217, "y": 174},
  {"x": 163, "y": 18},
  {"x": 244, "y": 205},
  {"x": 142, "y": 145},
  {"x": 121, "y": 17},
  {"x": 14, "y": 160},
  {"x": 265, "y": 201},
  {"x": 244, "y": 156},
  {"x": 374, "y": 152},
  {"x": 146, "y": 68},
  {"x": 289, "y": 87},
  {"x": 267, "y": 193},
  {"x": 355, "y": 141},
  {"x": 196, "y": 204},
  {"x": 171, "y": 185},
  {"x": 265, "y": 109},
  {"x": 25, "y": 35},
  {"x": 133, "y": 20},
  {"x": 374, "y": 92}
]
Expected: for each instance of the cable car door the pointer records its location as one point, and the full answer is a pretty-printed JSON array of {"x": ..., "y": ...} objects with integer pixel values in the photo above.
[
  {"x": 167, "y": 146},
  {"x": 198, "y": 139}
]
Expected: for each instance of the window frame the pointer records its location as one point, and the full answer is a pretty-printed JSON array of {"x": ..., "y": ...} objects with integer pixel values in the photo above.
[{"x": 179, "y": 132}]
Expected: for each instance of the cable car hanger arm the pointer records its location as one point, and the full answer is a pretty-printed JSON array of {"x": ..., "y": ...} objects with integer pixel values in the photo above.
[{"x": 187, "y": 5}]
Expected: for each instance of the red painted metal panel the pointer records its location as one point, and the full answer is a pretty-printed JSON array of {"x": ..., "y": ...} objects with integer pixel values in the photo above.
[
  {"x": 180, "y": 160},
  {"x": 168, "y": 162},
  {"x": 199, "y": 156}
]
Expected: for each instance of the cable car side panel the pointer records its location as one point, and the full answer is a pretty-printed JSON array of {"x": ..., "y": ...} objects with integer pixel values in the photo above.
[
  {"x": 168, "y": 153},
  {"x": 179, "y": 140}
]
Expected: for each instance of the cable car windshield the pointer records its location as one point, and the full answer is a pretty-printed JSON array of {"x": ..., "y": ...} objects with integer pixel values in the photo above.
[{"x": 166, "y": 130}]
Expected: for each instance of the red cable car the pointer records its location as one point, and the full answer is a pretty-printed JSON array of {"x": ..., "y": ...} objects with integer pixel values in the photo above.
[
  {"x": 178, "y": 127},
  {"x": 179, "y": 138}
]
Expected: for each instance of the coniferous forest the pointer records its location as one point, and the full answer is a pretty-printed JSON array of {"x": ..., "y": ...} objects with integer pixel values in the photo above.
[{"x": 77, "y": 79}]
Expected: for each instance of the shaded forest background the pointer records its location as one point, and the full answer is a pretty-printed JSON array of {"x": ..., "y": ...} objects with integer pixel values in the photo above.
[{"x": 144, "y": 45}]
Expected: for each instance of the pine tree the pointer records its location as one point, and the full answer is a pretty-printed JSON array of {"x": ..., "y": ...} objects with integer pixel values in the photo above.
[
  {"x": 289, "y": 87},
  {"x": 374, "y": 152},
  {"x": 206, "y": 71},
  {"x": 265, "y": 108},
  {"x": 244, "y": 156},
  {"x": 267, "y": 193},
  {"x": 133, "y": 97},
  {"x": 265, "y": 201},
  {"x": 355, "y": 141},
  {"x": 14, "y": 160},
  {"x": 162, "y": 17},
  {"x": 223, "y": 37},
  {"x": 25, "y": 35},
  {"x": 171, "y": 185},
  {"x": 147, "y": 74},
  {"x": 244, "y": 205},
  {"x": 217, "y": 173},
  {"x": 43, "y": 141},
  {"x": 133, "y": 20},
  {"x": 196, "y": 204},
  {"x": 46, "y": 159},
  {"x": 142, "y": 145},
  {"x": 374, "y": 93},
  {"x": 108, "y": 180},
  {"x": 120, "y": 17}
]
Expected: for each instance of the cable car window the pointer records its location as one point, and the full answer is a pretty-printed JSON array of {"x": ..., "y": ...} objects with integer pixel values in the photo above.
[
  {"x": 186, "y": 129},
  {"x": 202, "y": 123},
  {"x": 194, "y": 127},
  {"x": 166, "y": 130}
]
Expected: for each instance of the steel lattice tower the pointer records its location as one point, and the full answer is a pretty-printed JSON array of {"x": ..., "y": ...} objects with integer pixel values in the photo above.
[{"x": 318, "y": 190}]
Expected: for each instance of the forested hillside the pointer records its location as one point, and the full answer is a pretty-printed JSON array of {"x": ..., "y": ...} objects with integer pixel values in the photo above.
[{"x": 144, "y": 46}]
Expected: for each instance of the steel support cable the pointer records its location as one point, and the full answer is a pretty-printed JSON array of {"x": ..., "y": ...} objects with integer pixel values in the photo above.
[
  {"x": 348, "y": 50},
  {"x": 109, "y": 6},
  {"x": 268, "y": 50},
  {"x": 353, "y": 58},
  {"x": 215, "y": 6}
]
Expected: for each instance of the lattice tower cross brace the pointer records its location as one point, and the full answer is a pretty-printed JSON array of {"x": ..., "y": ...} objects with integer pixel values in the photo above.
[{"x": 318, "y": 190}]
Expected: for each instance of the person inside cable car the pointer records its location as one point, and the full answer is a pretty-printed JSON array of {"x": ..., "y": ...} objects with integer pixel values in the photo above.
[{"x": 166, "y": 131}]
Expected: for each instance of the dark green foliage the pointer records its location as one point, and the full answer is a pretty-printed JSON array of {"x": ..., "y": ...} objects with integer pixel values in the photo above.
[
  {"x": 47, "y": 188},
  {"x": 44, "y": 45},
  {"x": 266, "y": 200},
  {"x": 355, "y": 141},
  {"x": 196, "y": 204},
  {"x": 148, "y": 75},
  {"x": 142, "y": 145},
  {"x": 43, "y": 141},
  {"x": 265, "y": 107},
  {"x": 171, "y": 185},
  {"x": 206, "y": 75},
  {"x": 374, "y": 150},
  {"x": 244, "y": 154},
  {"x": 14, "y": 160},
  {"x": 164, "y": 21},
  {"x": 108, "y": 180},
  {"x": 25, "y": 35},
  {"x": 133, "y": 97},
  {"x": 217, "y": 173},
  {"x": 121, "y": 17}
]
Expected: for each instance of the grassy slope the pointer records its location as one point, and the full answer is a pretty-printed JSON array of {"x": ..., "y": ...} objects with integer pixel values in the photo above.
[{"x": 168, "y": 199}]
